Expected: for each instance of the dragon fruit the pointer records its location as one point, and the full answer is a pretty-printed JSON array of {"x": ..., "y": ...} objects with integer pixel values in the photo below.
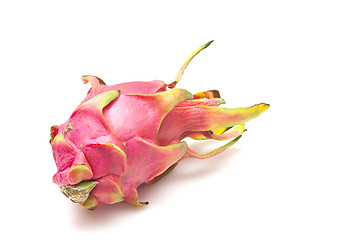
[{"x": 121, "y": 136}]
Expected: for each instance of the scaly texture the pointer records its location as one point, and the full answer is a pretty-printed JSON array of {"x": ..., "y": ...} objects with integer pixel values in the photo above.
[{"x": 124, "y": 135}]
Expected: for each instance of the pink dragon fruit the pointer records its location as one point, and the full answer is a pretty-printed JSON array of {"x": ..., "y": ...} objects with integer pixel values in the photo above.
[{"x": 123, "y": 135}]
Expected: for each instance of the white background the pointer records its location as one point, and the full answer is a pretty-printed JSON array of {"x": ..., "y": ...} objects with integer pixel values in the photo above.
[{"x": 293, "y": 175}]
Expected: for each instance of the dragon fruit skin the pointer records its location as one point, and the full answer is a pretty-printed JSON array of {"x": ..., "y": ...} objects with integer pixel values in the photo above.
[{"x": 123, "y": 135}]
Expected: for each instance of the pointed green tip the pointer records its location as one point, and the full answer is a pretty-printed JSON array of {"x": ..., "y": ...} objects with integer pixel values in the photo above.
[
  {"x": 94, "y": 80},
  {"x": 102, "y": 100},
  {"x": 86, "y": 184},
  {"x": 91, "y": 203},
  {"x": 206, "y": 44},
  {"x": 262, "y": 107},
  {"x": 79, "y": 173}
]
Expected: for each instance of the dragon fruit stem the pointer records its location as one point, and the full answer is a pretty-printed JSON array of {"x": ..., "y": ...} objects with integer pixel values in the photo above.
[{"x": 183, "y": 67}]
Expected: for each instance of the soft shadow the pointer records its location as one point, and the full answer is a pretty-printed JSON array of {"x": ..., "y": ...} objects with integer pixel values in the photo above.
[
  {"x": 101, "y": 216},
  {"x": 195, "y": 168},
  {"x": 186, "y": 172}
]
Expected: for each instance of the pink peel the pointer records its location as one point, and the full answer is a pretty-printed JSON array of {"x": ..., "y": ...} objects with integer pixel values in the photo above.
[{"x": 121, "y": 136}]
